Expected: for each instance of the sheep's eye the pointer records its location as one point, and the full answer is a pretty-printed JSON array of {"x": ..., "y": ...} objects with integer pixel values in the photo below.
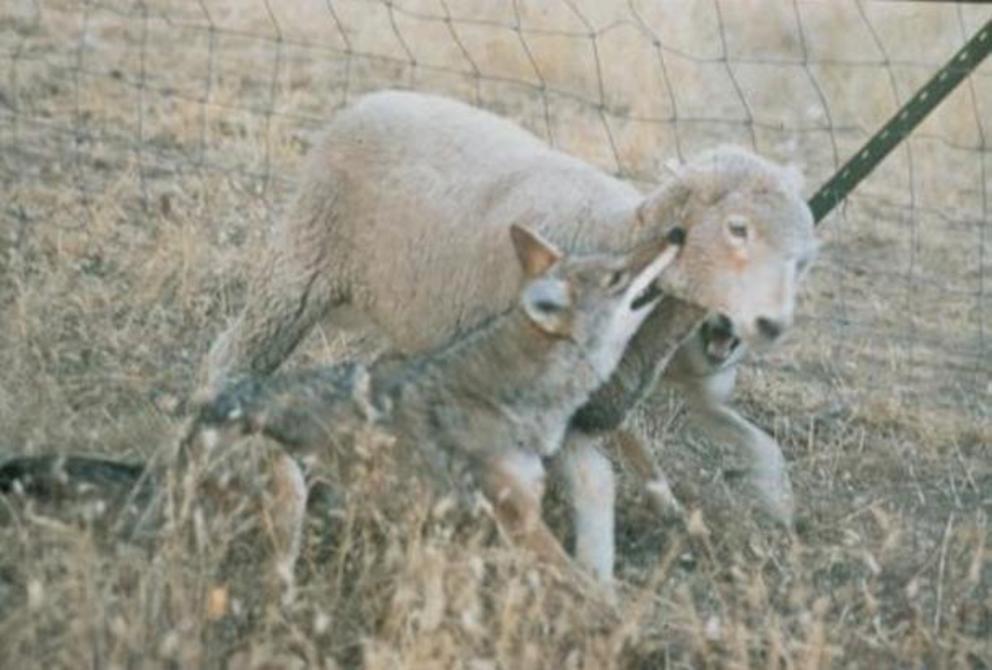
[
  {"x": 614, "y": 279},
  {"x": 737, "y": 229}
]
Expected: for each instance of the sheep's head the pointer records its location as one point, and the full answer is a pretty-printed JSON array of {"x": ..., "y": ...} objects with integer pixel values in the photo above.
[{"x": 749, "y": 241}]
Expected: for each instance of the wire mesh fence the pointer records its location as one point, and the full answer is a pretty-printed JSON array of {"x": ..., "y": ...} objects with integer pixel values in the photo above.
[{"x": 136, "y": 101}]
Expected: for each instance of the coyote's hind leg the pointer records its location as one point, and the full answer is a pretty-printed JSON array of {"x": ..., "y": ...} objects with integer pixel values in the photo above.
[{"x": 284, "y": 513}]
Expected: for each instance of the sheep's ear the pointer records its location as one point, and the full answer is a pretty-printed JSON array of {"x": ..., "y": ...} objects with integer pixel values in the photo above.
[
  {"x": 662, "y": 208},
  {"x": 793, "y": 177},
  {"x": 536, "y": 254},
  {"x": 548, "y": 304}
]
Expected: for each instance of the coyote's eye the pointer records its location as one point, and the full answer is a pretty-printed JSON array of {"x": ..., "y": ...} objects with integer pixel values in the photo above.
[
  {"x": 614, "y": 279},
  {"x": 738, "y": 229},
  {"x": 548, "y": 307}
]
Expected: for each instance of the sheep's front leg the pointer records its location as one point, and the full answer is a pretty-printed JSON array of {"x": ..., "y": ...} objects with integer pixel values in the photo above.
[
  {"x": 707, "y": 389},
  {"x": 659, "y": 492},
  {"x": 767, "y": 474}
]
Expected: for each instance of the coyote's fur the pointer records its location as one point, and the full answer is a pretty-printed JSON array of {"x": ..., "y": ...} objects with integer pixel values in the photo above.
[
  {"x": 486, "y": 408},
  {"x": 400, "y": 214}
]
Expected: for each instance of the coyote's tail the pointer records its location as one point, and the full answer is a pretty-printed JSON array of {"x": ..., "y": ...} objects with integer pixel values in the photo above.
[{"x": 55, "y": 477}]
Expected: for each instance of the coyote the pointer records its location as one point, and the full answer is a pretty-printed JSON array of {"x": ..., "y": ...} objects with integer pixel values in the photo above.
[
  {"x": 484, "y": 409},
  {"x": 400, "y": 213}
]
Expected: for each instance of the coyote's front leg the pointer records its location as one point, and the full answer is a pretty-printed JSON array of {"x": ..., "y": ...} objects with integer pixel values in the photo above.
[
  {"x": 514, "y": 484},
  {"x": 591, "y": 486}
]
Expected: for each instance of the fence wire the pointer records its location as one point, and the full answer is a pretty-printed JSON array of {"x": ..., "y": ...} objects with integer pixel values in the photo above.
[{"x": 139, "y": 98}]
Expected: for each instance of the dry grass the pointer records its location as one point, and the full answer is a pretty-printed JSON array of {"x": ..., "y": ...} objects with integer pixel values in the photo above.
[{"x": 125, "y": 246}]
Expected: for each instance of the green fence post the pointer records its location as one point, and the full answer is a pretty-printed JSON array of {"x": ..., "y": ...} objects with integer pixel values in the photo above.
[{"x": 901, "y": 124}]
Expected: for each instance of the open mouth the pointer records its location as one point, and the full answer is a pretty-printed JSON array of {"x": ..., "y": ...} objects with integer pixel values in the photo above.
[
  {"x": 719, "y": 339},
  {"x": 650, "y": 293}
]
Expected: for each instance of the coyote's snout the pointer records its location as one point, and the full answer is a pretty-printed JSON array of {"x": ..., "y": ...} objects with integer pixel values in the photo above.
[{"x": 598, "y": 301}]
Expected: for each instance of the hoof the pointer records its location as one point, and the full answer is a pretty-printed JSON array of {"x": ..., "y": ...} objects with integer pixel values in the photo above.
[{"x": 775, "y": 499}]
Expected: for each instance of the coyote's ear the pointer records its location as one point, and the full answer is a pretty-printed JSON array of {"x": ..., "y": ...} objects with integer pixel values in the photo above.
[
  {"x": 548, "y": 304},
  {"x": 535, "y": 253}
]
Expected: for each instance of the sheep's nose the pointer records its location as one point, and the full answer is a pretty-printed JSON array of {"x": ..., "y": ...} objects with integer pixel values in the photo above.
[{"x": 769, "y": 328}]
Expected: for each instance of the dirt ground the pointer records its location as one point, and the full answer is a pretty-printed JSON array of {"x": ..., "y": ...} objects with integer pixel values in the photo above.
[{"x": 146, "y": 149}]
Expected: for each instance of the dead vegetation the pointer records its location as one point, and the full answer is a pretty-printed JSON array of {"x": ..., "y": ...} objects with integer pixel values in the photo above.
[{"x": 132, "y": 206}]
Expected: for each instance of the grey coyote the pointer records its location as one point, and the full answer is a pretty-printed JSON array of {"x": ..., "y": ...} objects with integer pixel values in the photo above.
[{"x": 486, "y": 408}]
